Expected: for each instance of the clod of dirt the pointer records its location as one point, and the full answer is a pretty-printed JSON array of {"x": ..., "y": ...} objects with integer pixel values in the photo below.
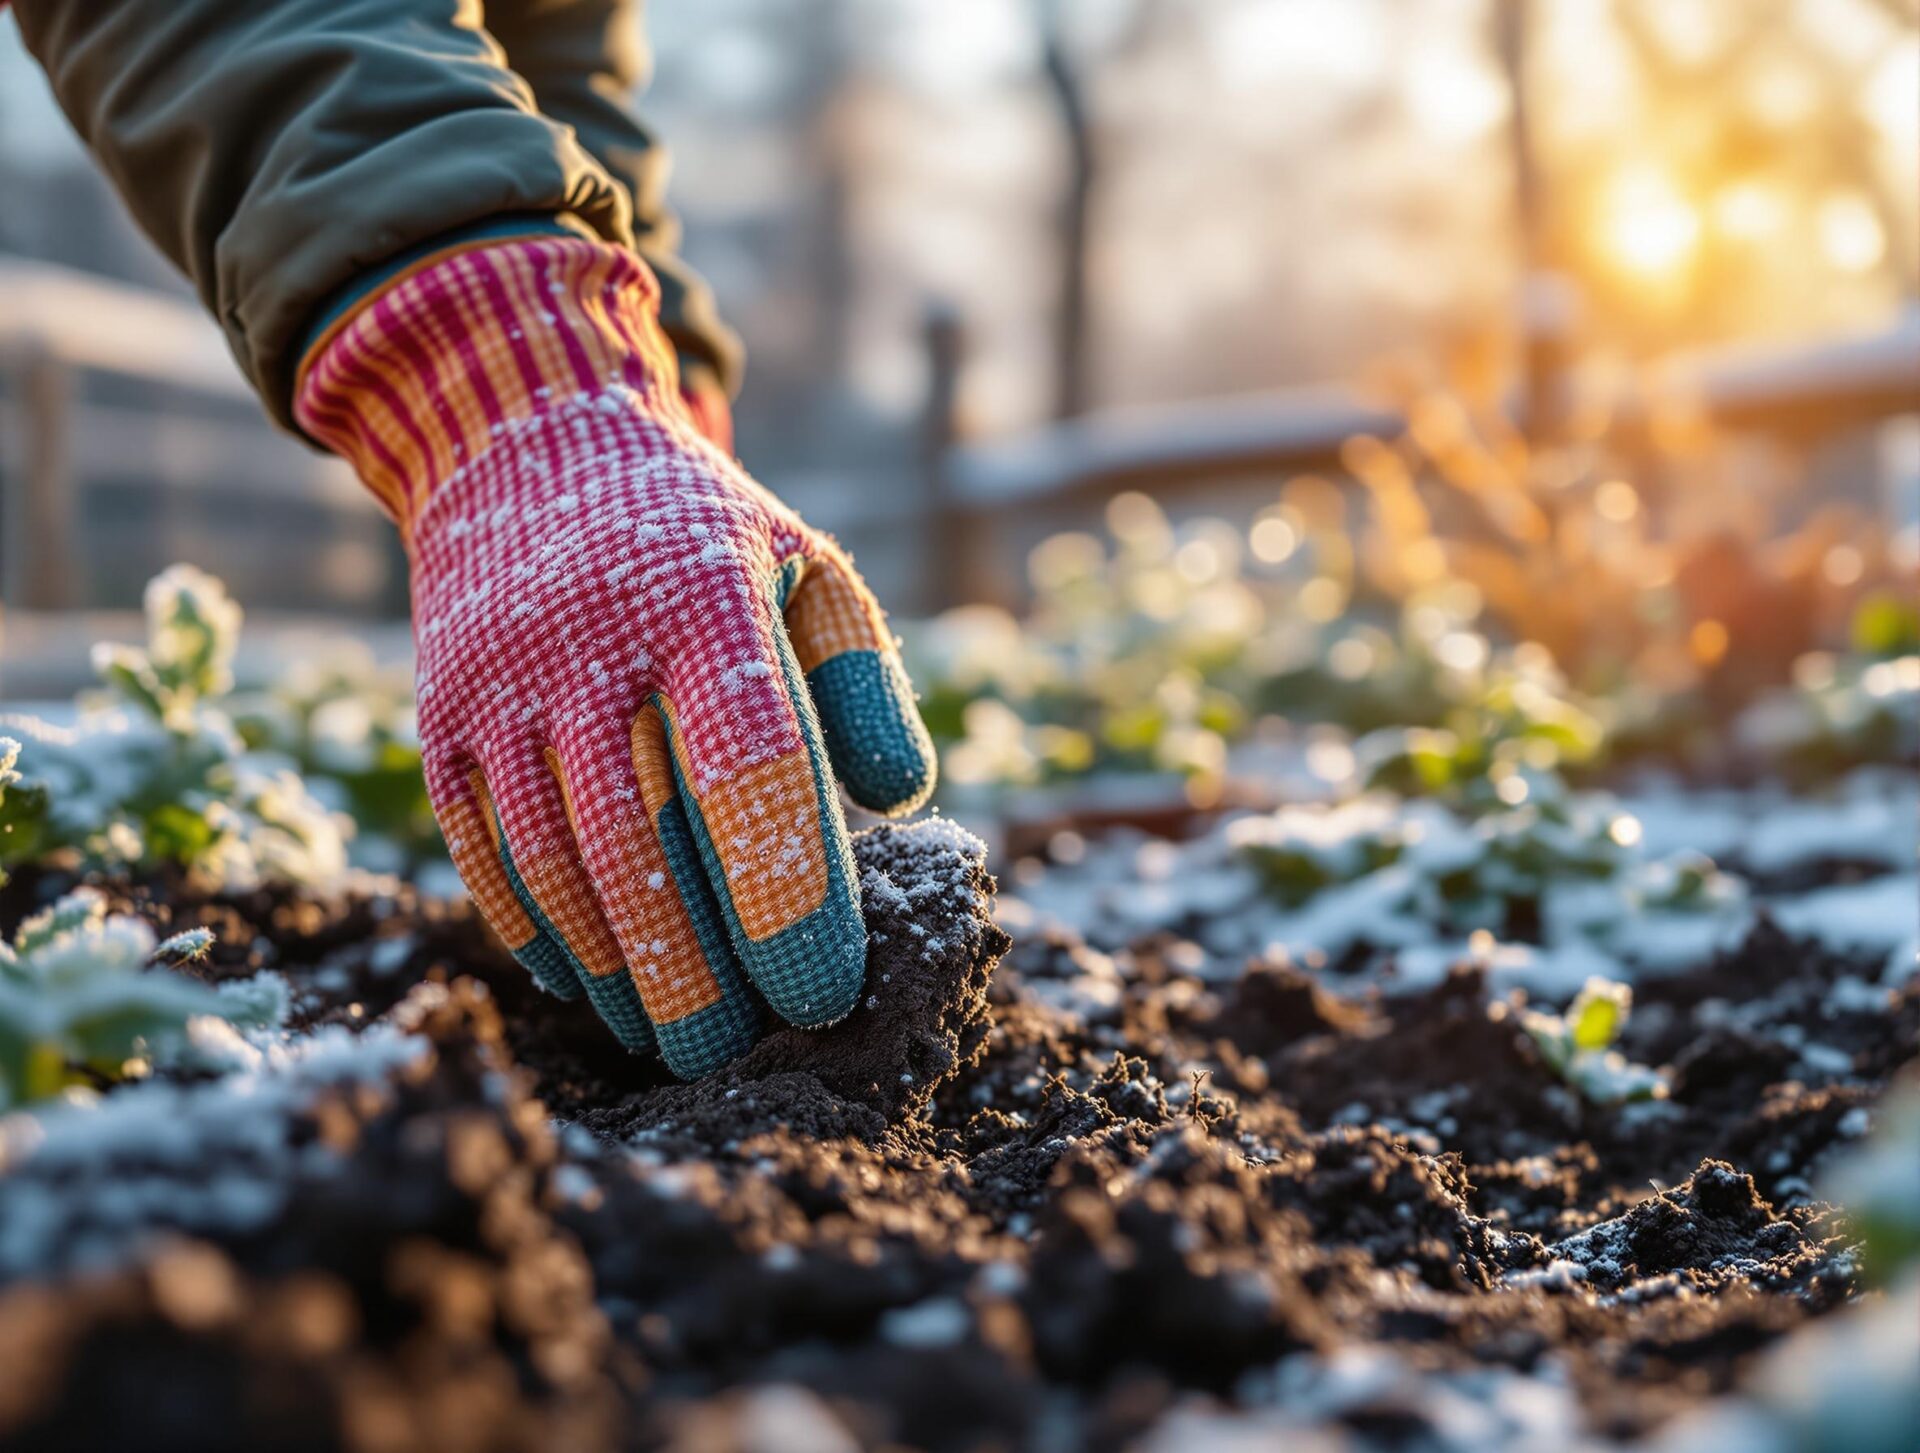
[
  {"x": 1364, "y": 1188},
  {"x": 1711, "y": 1229},
  {"x": 1275, "y": 1004},
  {"x": 932, "y": 945}
]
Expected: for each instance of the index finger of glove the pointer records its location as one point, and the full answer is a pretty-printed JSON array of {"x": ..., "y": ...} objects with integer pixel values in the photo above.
[{"x": 870, "y": 723}]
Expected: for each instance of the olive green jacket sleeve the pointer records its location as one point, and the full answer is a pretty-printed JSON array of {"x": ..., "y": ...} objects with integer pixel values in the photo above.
[
  {"x": 282, "y": 152},
  {"x": 585, "y": 60}
]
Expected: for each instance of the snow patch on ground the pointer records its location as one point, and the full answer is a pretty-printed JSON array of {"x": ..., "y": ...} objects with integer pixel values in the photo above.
[
  {"x": 1210, "y": 891},
  {"x": 91, "y": 1179},
  {"x": 1328, "y": 1404}
]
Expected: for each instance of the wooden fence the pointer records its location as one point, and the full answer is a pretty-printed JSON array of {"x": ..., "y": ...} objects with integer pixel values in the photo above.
[
  {"x": 1800, "y": 395},
  {"x": 128, "y": 439},
  {"x": 107, "y": 391}
]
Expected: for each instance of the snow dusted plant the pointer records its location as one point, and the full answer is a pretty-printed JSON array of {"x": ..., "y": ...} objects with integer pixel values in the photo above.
[
  {"x": 1578, "y": 1045},
  {"x": 193, "y": 626},
  {"x": 1456, "y": 869},
  {"x": 13, "y": 802},
  {"x": 1842, "y": 712},
  {"x": 86, "y": 997},
  {"x": 1494, "y": 752},
  {"x": 154, "y": 772},
  {"x": 1134, "y": 658},
  {"x": 1300, "y": 851},
  {"x": 347, "y": 722},
  {"x": 1495, "y": 870},
  {"x": 1879, "y": 1183},
  {"x": 1522, "y": 857}
]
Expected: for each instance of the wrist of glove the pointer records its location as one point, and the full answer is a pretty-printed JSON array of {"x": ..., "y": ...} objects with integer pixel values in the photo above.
[{"x": 639, "y": 674}]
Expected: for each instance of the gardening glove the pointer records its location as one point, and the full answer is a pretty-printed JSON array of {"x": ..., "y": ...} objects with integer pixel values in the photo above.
[{"x": 638, "y": 672}]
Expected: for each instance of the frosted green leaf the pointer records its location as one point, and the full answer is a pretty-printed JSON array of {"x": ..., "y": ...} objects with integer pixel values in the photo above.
[
  {"x": 185, "y": 947},
  {"x": 80, "y": 909},
  {"x": 1574, "y": 1046},
  {"x": 22, "y": 808},
  {"x": 128, "y": 671},
  {"x": 78, "y": 1001},
  {"x": 257, "y": 1003},
  {"x": 192, "y": 629}
]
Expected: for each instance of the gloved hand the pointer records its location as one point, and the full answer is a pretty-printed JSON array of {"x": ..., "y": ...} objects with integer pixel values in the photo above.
[{"x": 635, "y": 665}]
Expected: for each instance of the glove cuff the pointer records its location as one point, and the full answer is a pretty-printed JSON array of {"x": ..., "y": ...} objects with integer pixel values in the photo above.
[{"x": 430, "y": 371}]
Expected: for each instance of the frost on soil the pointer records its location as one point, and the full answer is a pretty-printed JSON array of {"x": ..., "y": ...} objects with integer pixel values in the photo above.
[{"x": 1174, "y": 1175}]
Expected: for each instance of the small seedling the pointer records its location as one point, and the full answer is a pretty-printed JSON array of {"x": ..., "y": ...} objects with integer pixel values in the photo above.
[
  {"x": 193, "y": 626},
  {"x": 1842, "y": 712},
  {"x": 1460, "y": 870},
  {"x": 1499, "y": 746},
  {"x": 153, "y": 772},
  {"x": 1686, "y": 882},
  {"x": 87, "y": 997},
  {"x": 1577, "y": 1046},
  {"x": 1496, "y": 872}
]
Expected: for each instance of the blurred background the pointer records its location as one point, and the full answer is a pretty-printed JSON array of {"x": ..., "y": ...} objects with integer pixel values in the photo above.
[{"x": 1228, "y": 340}]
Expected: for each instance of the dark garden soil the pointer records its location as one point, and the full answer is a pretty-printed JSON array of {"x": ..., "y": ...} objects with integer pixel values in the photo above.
[{"x": 980, "y": 1213}]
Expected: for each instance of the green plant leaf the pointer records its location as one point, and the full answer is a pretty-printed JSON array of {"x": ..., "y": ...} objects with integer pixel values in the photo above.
[
  {"x": 257, "y": 1003},
  {"x": 1598, "y": 1013},
  {"x": 23, "y": 809},
  {"x": 129, "y": 673},
  {"x": 79, "y": 909},
  {"x": 176, "y": 833},
  {"x": 111, "y": 1018},
  {"x": 1885, "y": 624},
  {"x": 184, "y": 947}
]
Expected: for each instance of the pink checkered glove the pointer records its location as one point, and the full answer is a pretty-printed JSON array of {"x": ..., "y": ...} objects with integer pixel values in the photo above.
[{"x": 638, "y": 671}]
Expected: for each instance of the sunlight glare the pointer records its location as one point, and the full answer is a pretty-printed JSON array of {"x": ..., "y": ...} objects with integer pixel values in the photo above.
[
  {"x": 1708, "y": 640},
  {"x": 1616, "y": 500},
  {"x": 1781, "y": 94},
  {"x": 1454, "y": 97},
  {"x": 951, "y": 50},
  {"x": 1748, "y": 211},
  {"x": 1891, "y": 98},
  {"x": 1843, "y": 564},
  {"x": 1689, "y": 31},
  {"x": 1851, "y": 237},
  {"x": 1273, "y": 540},
  {"x": 1340, "y": 44},
  {"x": 1651, "y": 228}
]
